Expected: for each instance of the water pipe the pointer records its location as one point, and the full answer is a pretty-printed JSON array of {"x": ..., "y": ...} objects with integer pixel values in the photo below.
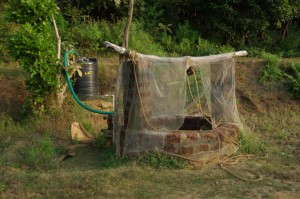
[{"x": 72, "y": 90}]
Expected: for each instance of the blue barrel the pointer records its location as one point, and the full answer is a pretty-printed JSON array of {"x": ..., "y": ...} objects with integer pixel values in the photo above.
[{"x": 87, "y": 86}]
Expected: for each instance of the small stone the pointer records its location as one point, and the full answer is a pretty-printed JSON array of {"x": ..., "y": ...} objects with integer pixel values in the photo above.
[{"x": 106, "y": 105}]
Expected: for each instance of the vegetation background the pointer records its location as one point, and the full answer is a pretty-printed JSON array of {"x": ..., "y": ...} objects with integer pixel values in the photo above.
[{"x": 34, "y": 130}]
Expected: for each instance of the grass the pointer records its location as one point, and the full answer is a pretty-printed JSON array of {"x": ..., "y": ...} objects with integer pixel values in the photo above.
[
  {"x": 13, "y": 71},
  {"x": 10, "y": 129},
  {"x": 161, "y": 161},
  {"x": 28, "y": 149}
]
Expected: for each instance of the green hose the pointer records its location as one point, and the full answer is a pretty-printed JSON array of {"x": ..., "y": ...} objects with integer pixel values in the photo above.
[{"x": 72, "y": 90}]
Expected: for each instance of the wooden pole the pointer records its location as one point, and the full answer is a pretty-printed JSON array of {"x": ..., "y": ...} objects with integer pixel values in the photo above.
[
  {"x": 62, "y": 88},
  {"x": 57, "y": 37},
  {"x": 126, "y": 29},
  {"x": 124, "y": 51}
]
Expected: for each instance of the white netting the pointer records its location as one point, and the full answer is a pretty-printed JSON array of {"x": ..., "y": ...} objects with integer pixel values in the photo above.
[{"x": 155, "y": 94}]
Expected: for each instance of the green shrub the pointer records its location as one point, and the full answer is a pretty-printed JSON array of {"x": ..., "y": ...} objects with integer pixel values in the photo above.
[
  {"x": 37, "y": 56},
  {"x": 185, "y": 31},
  {"x": 291, "y": 80},
  {"x": 167, "y": 42},
  {"x": 271, "y": 70},
  {"x": 289, "y": 77},
  {"x": 34, "y": 12},
  {"x": 85, "y": 36},
  {"x": 289, "y": 46},
  {"x": 254, "y": 52},
  {"x": 4, "y": 32},
  {"x": 184, "y": 39},
  {"x": 2, "y": 187},
  {"x": 185, "y": 47},
  {"x": 34, "y": 45},
  {"x": 204, "y": 47},
  {"x": 143, "y": 42},
  {"x": 112, "y": 32}
]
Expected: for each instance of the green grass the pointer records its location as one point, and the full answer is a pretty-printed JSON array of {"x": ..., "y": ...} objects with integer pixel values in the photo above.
[
  {"x": 28, "y": 169},
  {"x": 161, "y": 161},
  {"x": 39, "y": 153},
  {"x": 252, "y": 143},
  {"x": 10, "y": 129}
]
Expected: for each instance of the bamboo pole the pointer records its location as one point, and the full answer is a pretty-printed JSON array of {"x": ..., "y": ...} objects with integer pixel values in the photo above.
[{"x": 123, "y": 51}]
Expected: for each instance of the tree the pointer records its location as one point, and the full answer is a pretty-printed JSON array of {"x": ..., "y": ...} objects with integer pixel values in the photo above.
[{"x": 34, "y": 46}]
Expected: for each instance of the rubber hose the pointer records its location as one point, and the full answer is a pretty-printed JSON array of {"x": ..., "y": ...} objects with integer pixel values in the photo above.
[{"x": 72, "y": 90}]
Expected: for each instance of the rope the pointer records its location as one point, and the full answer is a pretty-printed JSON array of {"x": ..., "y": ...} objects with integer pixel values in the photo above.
[
  {"x": 233, "y": 160},
  {"x": 227, "y": 161},
  {"x": 132, "y": 56}
]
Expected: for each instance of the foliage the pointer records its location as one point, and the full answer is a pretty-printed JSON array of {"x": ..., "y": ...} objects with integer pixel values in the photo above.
[
  {"x": 289, "y": 46},
  {"x": 34, "y": 46},
  {"x": 4, "y": 31},
  {"x": 34, "y": 12},
  {"x": 139, "y": 38},
  {"x": 271, "y": 70},
  {"x": 161, "y": 161},
  {"x": 85, "y": 35},
  {"x": 207, "y": 48},
  {"x": 111, "y": 10},
  {"x": 234, "y": 23},
  {"x": 111, "y": 31},
  {"x": 291, "y": 80},
  {"x": 2, "y": 187},
  {"x": 73, "y": 68},
  {"x": 289, "y": 76}
]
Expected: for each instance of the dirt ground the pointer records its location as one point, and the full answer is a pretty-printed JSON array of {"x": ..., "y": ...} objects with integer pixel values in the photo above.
[{"x": 269, "y": 115}]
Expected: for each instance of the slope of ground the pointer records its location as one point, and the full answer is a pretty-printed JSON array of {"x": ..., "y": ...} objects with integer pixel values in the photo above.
[{"x": 271, "y": 125}]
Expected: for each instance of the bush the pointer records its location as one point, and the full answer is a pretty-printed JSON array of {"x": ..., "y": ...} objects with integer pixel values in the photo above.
[
  {"x": 204, "y": 47},
  {"x": 4, "y": 31},
  {"x": 34, "y": 46},
  {"x": 34, "y": 12},
  {"x": 112, "y": 32},
  {"x": 37, "y": 56},
  {"x": 271, "y": 70},
  {"x": 290, "y": 45},
  {"x": 143, "y": 42},
  {"x": 85, "y": 36},
  {"x": 289, "y": 77},
  {"x": 291, "y": 80}
]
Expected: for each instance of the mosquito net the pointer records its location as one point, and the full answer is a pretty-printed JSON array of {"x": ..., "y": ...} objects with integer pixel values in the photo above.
[{"x": 156, "y": 94}]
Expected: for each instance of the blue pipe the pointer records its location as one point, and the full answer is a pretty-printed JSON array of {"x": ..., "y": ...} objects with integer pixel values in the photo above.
[{"x": 72, "y": 90}]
